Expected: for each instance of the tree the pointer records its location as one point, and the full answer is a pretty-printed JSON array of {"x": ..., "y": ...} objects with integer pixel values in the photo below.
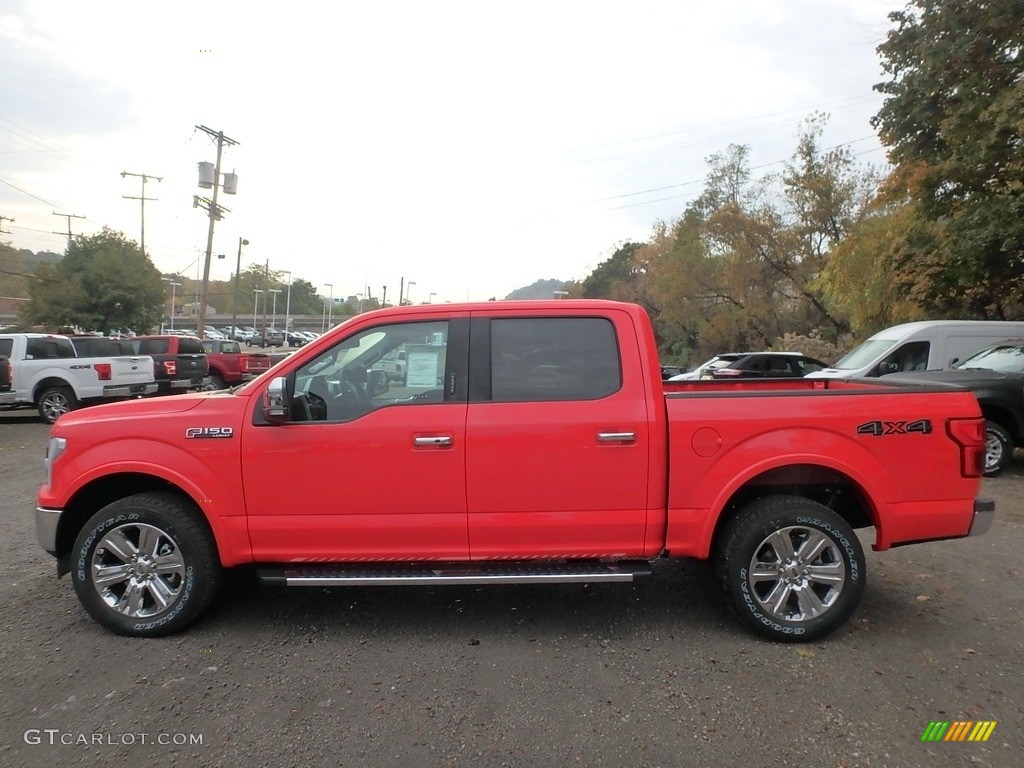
[
  {"x": 103, "y": 282},
  {"x": 953, "y": 120}
]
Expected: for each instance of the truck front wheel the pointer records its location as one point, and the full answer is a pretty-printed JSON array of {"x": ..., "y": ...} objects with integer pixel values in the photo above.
[
  {"x": 146, "y": 565},
  {"x": 794, "y": 570},
  {"x": 55, "y": 401}
]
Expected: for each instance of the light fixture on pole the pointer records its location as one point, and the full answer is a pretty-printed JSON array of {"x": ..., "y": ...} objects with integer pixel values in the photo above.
[
  {"x": 234, "y": 308},
  {"x": 255, "y": 301},
  {"x": 560, "y": 294}
]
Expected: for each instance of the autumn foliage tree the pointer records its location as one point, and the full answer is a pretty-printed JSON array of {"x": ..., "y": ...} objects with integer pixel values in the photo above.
[{"x": 953, "y": 120}]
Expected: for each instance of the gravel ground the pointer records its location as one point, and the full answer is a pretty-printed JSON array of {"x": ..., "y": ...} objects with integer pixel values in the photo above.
[{"x": 652, "y": 674}]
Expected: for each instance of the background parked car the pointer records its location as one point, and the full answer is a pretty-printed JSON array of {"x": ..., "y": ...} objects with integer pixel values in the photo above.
[
  {"x": 271, "y": 337},
  {"x": 754, "y": 365},
  {"x": 295, "y": 339},
  {"x": 996, "y": 377}
]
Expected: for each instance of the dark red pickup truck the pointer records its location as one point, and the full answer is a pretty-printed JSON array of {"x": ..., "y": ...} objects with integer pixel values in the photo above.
[
  {"x": 180, "y": 363},
  {"x": 530, "y": 442},
  {"x": 229, "y": 365}
]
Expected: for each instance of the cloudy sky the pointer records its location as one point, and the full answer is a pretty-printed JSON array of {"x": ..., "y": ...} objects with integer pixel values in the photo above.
[{"x": 470, "y": 148}]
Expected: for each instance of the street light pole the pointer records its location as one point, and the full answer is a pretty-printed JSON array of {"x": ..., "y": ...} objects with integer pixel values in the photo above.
[
  {"x": 234, "y": 308},
  {"x": 273, "y": 316},
  {"x": 330, "y": 306},
  {"x": 255, "y": 300},
  {"x": 288, "y": 302},
  {"x": 408, "y": 292},
  {"x": 173, "y": 286}
]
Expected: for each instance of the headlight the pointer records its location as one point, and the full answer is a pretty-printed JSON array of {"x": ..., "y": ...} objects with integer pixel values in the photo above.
[{"x": 54, "y": 448}]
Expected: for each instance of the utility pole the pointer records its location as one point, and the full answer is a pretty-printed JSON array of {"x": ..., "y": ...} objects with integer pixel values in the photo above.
[
  {"x": 142, "y": 199},
  {"x": 2, "y": 220},
  {"x": 214, "y": 213},
  {"x": 69, "y": 217}
]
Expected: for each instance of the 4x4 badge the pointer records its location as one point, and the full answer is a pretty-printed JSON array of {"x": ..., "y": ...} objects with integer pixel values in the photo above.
[{"x": 879, "y": 428}]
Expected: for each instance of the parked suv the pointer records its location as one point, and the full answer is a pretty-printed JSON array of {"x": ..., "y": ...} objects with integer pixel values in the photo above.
[
  {"x": 759, "y": 365},
  {"x": 271, "y": 337}
]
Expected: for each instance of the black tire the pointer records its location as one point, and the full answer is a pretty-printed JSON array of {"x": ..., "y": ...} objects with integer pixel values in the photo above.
[
  {"x": 998, "y": 448},
  {"x": 160, "y": 561},
  {"x": 809, "y": 597},
  {"x": 217, "y": 382},
  {"x": 55, "y": 401}
]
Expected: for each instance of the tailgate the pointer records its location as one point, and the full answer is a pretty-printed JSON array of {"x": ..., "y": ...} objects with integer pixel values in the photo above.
[
  {"x": 255, "y": 362},
  {"x": 131, "y": 370}
]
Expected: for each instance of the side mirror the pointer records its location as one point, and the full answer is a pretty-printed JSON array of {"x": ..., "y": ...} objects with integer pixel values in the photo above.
[
  {"x": 275, "y": 402},
  {"x": 376, "y": 382}
]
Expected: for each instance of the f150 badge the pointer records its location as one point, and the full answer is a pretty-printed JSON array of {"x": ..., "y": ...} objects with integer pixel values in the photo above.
[
  {"x": 879, "y": 428},
  {"x": 206, "y": 433}
]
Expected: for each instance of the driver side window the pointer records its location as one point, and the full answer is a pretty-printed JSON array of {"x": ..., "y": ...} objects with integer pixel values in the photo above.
[{"x": 397, "y": 364}]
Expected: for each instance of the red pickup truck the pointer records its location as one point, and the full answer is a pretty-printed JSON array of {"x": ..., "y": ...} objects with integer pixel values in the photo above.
[
  {"x": 230, "y": 366},
  {"x": 530, "y": 442}
]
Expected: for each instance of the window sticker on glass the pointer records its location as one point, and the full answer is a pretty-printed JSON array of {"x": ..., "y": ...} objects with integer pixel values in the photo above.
[{"x": 424, "y": 368}]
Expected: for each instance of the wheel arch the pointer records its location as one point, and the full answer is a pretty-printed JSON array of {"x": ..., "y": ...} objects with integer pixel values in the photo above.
[
  {"x": 51, "y": 381},
  {"x": 829, "y": 486},
  {"x": 105, "y": 490}
]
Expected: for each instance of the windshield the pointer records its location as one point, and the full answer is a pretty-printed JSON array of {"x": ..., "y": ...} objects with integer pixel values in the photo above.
[
  {"x": 865, "y": 354},
  {"x": 1006, "y": 358}
]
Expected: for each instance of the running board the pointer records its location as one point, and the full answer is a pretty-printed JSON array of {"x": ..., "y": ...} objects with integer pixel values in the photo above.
[{"x": 362, "y": 575}]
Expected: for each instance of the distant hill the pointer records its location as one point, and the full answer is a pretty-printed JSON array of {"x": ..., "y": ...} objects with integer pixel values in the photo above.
[{"x": 542, "y": 289}]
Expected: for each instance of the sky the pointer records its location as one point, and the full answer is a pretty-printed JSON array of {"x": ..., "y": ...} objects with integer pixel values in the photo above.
[{"x": 461, "y": 149}]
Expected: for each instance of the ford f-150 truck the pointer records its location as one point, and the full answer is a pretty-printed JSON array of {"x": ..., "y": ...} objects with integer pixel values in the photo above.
[
  {"x": 51, "y": 376},
  {"x": 530, "y": 442},
  {"x": 180, "y": 362},
  {"x": 229, "y": 365}
]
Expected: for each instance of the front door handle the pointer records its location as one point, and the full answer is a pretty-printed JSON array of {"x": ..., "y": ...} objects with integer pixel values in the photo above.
[
  {"x": 616, "y": 437},
  {"x": 422, "y": 442}
]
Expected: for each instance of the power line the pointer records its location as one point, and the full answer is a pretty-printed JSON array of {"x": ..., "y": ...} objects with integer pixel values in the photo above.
[{"x": 24, "y": 192}]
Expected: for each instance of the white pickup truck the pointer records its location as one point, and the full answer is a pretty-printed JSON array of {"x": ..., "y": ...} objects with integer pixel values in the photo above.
[{"x": 48, "y": 374}]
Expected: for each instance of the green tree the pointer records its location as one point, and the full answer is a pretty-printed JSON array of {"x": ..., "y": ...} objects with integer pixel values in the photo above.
[
  {"x": 103, "y": 282},
  {"x": 953, "y": 118}
]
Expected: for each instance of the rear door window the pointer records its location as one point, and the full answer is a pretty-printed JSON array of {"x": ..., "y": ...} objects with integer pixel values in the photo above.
[{"x": 553, "y": 358}]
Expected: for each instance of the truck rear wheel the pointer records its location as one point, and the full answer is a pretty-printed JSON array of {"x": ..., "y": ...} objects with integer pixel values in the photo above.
[
  {"x": 146, "y": 565},
  {"x": 794, "y": 570},
  {"x": 998, "y": 448},
  {"x": 55, "y": 401}
]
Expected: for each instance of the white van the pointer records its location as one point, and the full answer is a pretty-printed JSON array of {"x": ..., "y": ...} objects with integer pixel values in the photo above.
[{"x": 925, "y": 345}]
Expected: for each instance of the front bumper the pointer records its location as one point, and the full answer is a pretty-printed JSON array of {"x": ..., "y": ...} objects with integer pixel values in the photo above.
[
  {"x": 984, "y": 514},
  {"x": 47, "y": 521}
]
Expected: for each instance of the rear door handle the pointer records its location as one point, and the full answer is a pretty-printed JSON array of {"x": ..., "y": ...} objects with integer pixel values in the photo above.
[
  {"x": 616, "y": 437},
  {"x": 420, "y": 442}
]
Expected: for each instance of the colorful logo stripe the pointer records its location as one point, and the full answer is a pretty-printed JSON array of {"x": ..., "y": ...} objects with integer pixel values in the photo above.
[{"x": 958, "y": 730}]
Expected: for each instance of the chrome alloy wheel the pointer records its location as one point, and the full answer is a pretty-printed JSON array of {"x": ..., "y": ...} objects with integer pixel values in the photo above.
[
  {"x": 137, "y": 570},
  {"x": 797, "y": 573}
]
